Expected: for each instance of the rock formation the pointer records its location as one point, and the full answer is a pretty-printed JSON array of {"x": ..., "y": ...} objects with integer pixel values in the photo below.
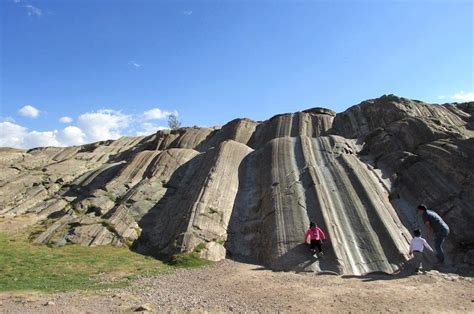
[{"x": 248, "y": 190}]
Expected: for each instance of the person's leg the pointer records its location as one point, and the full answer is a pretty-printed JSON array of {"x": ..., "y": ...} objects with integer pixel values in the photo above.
[
  {"x": 417, "y": 260},
  {"x": 318, "y": 245},
  {"x": 313, "y": 246},
  {"x": 439, "y": 240}
]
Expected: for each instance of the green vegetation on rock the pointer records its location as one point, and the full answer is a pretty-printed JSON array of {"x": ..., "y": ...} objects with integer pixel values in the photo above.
[
  {"x": 201, "y": 246},
  {"x": 188, "y": 260}
]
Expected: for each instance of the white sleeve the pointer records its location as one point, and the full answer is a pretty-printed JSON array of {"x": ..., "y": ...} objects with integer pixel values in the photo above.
[{"x": 427, "y": 245}]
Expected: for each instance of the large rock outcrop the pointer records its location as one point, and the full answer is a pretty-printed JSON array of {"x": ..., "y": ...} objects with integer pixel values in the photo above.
[{"x": 249, "y": 189}]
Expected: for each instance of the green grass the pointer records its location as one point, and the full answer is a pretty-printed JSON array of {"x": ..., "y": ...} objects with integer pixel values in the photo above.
[
  {"x": 188, "y": 260},
  {"x": 28, "y": 267},
  {"x": 201, "y": 246}
]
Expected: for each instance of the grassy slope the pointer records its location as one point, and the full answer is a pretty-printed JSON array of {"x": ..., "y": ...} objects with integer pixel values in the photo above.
[{"x": 24, "y": 266}]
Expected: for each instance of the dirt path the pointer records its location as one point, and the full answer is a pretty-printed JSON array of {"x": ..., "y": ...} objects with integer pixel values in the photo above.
[{"x": 230, "y": 286}]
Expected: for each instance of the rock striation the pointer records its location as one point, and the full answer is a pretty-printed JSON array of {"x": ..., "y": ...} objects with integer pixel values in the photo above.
[{"x": 248, "y": 190}]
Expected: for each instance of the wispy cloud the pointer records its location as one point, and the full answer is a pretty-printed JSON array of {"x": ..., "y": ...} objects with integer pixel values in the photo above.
[
  {"x": 7, "y": 119},
  {"x": 29, "y": 111},
  {"x": 157, "y": 114},
  {"x": 187, "y": 12},
  {"x": 460, "y": 96},
  {"x": 65, "y": 119},
  {"x": 33, "y": 11},
  {"x": 463, "y": 96},
  {"x": 134, "y": 64},
  {"x": 148, "y": 128}
]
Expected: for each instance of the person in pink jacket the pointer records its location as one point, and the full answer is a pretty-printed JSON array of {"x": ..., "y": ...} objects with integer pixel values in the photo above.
[{"x": 314, "y": 237}]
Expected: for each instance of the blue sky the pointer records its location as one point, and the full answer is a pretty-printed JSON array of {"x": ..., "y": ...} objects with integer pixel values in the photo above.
[{"x": 119, "y": 67}]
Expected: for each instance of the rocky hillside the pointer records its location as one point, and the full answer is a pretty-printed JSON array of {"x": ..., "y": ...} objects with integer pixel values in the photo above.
[{"x": 249, "y": 189}]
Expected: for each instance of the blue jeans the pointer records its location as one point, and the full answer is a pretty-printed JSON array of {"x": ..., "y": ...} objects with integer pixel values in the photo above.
[{"x": 439, "y": 240}]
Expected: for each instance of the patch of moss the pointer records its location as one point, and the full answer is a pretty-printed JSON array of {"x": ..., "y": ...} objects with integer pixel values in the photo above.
[
  {"x": 188, "y": 260},
  {"x": 56, "y": 237},
  {"x": 111, "y": 196},
  {"x": 35, "y": 230},
  {"x": 201, "y": 246},
  {"x": 128, "y": 242},
  {"x": 107, "y": 224}
]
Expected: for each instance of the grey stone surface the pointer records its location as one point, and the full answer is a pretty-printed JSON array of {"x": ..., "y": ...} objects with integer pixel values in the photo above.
[{"x": 248, "y": 190}]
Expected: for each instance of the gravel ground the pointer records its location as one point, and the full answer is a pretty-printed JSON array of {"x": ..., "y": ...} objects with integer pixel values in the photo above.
[{"x": 229, "y": 286}]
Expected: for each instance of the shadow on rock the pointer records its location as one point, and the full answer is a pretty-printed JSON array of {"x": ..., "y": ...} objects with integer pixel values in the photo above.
[
  {"x": 164, "y": 224},
  {"x": 406, "y": 269},
  {"x": 299, "y": 259}
]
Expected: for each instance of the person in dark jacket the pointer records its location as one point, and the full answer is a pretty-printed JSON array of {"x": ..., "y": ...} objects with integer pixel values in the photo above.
[{"x": 437, "y": 227}]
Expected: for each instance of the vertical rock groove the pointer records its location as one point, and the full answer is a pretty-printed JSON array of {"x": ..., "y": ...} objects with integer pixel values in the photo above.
[{"x": 248, "y": 190}]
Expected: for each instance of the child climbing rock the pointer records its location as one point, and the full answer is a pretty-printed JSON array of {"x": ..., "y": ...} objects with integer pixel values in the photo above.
[
  {"x": 314, "y": 237},
  {"x": 416, "y": 248}
]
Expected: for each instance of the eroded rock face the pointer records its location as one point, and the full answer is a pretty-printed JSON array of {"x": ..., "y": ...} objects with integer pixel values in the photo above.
[
  {"x": 303, "y": 179},
  {"x": 427, "y": 152},
  {"x": 248, "y": 190}
]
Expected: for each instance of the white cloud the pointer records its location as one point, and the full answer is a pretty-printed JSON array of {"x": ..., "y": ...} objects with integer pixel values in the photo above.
[
  {"x": 41, "y": 139},
  {"x": 65, "y": 119},
  {"x": 71, "y": 135},
  {"x": 187, "y": 12},
  {"x": 11, "y": 134},
  {"x": 33, "y": 11},
  {"x": 7, "y": 119},
  {"x": 461, "y": 96},
  {"x": 104, "y": 124},
  {"x": 157, "y": 114},
  {"x": 148, "y": 128},
  {"x": 134, "y": 64},
  {"x": 90, "y": 127},
  {"x": 14, "y": 135},
  {"x": 29, "y": 111}
]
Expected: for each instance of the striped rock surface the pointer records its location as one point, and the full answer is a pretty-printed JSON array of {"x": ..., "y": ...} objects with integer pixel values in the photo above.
[{"x": 248, "y": 190}]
